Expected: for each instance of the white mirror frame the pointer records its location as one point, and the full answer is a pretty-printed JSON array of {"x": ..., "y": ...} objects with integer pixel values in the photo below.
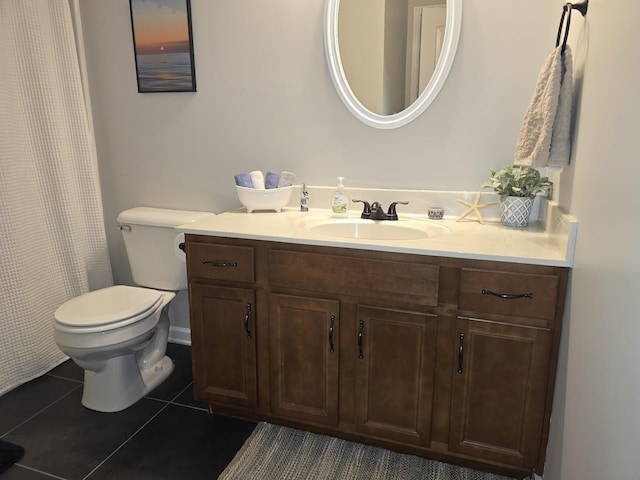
[{"x": 443, "y": 67}]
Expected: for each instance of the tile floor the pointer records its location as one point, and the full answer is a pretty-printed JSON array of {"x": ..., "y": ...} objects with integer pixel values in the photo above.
[{"x": 166, "y": 435}]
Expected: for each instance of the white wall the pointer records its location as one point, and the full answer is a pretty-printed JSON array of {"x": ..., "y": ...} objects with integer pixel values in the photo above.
[
  {"x": 596, "y": 425},
  {"x": 265, "y": 101}
]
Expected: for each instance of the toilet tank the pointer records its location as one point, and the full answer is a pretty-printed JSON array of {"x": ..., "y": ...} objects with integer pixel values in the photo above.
[{"x": 152, "y": 245}]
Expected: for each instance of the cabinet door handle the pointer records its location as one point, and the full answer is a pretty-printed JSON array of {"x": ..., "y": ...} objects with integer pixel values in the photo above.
[
  {"x": 360, "y": 333},
  {"x": 507, "y": 296},
  {"x": 217, "y": 263},
  {"x": 460, "y": 352},
  {"x": 246, "y": 320},
  {"x": 333, "y": 321}
]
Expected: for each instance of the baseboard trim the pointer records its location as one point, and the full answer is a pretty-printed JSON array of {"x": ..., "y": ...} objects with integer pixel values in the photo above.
[{"x": 180, "y": 335}]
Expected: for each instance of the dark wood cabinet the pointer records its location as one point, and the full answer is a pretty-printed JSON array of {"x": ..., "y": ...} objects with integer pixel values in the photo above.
[
  {"x": 304, "y": 346},
  {"x": 499, "y": 391},
  {"x": 224, "y": 345},
  {"x": 395, "y": 374},
  {"x": 501, "y": 398},
  {"x": 447, "y": 358}
]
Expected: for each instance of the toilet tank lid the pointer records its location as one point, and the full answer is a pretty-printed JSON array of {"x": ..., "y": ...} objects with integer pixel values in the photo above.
[{"x": 160, "y": 217}]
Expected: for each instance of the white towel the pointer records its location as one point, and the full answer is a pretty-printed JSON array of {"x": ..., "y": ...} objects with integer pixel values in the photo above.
[
  {"x": 257, "y": 179},
  {"x": 560, "y": 152},
  {"x": 545, "y": 137}
]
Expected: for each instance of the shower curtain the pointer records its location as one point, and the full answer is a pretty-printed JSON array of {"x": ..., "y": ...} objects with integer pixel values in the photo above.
[{"x": 52, "y": 239}]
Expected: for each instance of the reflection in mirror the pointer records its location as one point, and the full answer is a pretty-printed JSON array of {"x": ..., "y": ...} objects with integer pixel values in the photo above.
[
  {"x": 389, "y": 58},
  {"x": 424, "y": 44}
]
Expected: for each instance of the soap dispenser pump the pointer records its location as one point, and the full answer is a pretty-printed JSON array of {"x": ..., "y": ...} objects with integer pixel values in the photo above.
[{"x": 340, "y": 201}]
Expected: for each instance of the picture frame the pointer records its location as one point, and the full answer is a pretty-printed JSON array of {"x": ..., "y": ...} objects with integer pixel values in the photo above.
[{"x": 163, "y": 45}]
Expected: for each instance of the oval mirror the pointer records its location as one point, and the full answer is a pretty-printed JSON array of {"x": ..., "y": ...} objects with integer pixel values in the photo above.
[{"x": 389, "y": 59}]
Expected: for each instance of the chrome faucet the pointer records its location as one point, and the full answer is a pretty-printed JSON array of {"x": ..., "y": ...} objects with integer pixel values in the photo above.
[{"x": 375, "y": 211}]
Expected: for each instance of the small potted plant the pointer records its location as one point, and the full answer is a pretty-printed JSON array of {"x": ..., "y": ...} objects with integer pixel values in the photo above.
[{"x": 517, "y": 186}]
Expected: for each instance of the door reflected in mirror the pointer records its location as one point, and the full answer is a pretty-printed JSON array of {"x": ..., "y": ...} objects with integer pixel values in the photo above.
[
  {"x": 424, "y": 45},
  {"x": 389, "y": 58},
  {"x": 389, "y": 49}
]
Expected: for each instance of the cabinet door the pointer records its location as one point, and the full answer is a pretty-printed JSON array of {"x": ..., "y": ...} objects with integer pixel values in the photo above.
[
  {"x": 395, "y": 374},
  {"x": 223, "y": 339},
  {"x": 304, "y": 346},
  {"x": 499, "y": 390}
]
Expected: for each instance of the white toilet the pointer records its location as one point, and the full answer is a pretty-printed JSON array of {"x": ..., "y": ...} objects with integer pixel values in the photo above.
[{"x": 118, "y": 335}]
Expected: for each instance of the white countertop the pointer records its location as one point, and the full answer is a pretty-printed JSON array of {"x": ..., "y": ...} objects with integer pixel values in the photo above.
[{"x": 549, "y": 242}]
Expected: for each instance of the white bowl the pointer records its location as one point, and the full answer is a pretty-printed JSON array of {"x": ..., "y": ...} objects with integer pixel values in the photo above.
[{"x": 269, "y": 199}]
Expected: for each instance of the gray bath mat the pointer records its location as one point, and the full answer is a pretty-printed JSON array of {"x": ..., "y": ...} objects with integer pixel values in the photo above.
[{"x": 279, "y": 453}]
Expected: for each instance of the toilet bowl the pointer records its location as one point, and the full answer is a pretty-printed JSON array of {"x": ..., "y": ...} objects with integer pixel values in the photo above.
[{"x": 119, "y": 334}]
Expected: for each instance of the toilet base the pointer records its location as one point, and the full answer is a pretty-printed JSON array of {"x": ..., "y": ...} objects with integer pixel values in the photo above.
[{"x": 120, "y": 383}]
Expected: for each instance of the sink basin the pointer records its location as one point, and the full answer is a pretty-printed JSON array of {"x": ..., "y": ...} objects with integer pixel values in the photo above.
[{"x": 375, "y": 230}]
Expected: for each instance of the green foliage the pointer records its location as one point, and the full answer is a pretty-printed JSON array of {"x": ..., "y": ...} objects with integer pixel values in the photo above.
[{"x": 518, "y": 181}]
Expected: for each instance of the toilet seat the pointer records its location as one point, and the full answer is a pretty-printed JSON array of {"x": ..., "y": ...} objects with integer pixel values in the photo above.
[{"x": 107, "y": 309}]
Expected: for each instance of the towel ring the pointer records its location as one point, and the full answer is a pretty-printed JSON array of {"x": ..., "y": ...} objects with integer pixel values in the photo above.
[
  {"x": 566, "y": 12},
  {"x": 581, "y": 7}
]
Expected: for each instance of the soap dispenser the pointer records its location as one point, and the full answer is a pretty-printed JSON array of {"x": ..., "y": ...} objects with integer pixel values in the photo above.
[{"x": 340, "y": 201}]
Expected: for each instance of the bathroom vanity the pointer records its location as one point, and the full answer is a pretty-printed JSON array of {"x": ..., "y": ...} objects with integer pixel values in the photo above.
[{"x": 444, "y": 346}]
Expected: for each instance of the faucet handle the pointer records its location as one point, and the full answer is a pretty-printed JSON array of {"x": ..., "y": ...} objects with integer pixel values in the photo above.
[
  {"x": 366, "y": 212},
  {"x": 391, "y": 214}
]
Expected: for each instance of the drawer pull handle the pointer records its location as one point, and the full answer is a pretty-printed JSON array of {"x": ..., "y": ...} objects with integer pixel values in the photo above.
[
  {"x": 246, "y": 321},
  {"x": 460, "y": 352},
  {"x": 360, "y": 333},
  {"x": 333, "y": 321},
  {"x": 508, "y": 296},
  {"x": 214, "y": 263}
]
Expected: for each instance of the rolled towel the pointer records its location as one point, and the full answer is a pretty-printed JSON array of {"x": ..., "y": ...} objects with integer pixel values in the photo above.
[
  {"x": 286, "y": 179},
  {"x": 257, "y": 179},
  {"x": 271, "y": 180},
  {"x": 243, "y": 180}
]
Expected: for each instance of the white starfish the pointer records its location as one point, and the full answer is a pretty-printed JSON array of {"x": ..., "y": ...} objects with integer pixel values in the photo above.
[{"x": 474, "y": 207}]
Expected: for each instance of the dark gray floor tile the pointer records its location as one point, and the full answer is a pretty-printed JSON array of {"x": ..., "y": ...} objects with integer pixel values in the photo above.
[
  {"x": 186, "y": 398},
  {"x": 63, "y": 440},
  {"x": 68, "y": 370},
  {"x": 180, "y": 443},
  {"x": 69, "y": 441},
  {"x": 28, "y": 399},
  {"x": 180, "y": 352},
  {"x": 18, "y": 472}
]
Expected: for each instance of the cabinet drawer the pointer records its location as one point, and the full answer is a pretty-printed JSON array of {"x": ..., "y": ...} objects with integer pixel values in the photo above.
[
  {"x": 504, "y": 293},
  {"x": 403, "y": 281},
  {"x": 221, "y": 262}
]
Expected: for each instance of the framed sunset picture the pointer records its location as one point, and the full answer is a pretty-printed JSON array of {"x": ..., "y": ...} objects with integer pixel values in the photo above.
[{"x": 163, "y": 45}]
